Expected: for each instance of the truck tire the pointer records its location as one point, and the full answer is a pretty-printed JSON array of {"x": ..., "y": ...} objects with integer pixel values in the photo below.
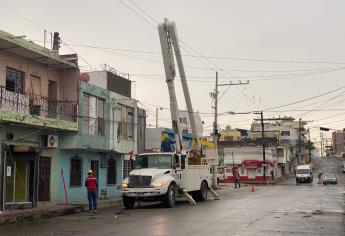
[
  {"x": 201, "y": 195},
  {"x": 128, "y": 202},
  {"x": 170, "y": 197}
]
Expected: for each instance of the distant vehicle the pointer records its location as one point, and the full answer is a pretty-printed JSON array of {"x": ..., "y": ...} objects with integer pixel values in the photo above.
[
  {"x": 329, "y": 179},
  {"x": 304, "y": 174}
]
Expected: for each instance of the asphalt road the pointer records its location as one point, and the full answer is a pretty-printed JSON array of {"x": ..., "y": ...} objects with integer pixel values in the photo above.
[{"x": 283, "y": 209}]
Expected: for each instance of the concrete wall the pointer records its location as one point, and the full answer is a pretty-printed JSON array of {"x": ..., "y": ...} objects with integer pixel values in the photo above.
[
  {"x": 88, "y": 141},
  {"x": 116, "y": 143},
  {"x": 246, "y": 153},
  {"x": 66, "y": 79},
  {"x": 78, "y": 194}
]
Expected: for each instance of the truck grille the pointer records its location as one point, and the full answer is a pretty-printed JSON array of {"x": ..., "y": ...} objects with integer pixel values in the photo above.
[{"x": 139, "y": 181}]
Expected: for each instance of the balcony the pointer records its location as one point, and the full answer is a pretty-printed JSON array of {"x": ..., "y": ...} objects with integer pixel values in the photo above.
[{"x": 37, "y": 110}]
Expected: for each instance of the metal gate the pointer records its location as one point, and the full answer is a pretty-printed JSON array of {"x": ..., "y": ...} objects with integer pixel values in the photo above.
[{"x": 44, "y": 179}]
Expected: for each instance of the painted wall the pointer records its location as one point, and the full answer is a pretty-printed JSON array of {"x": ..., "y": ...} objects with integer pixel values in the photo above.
[
  {"x": 87, "y": 141},
  {"x": 66, "y": 79},
  {"x": 78, "y": 194},
  {"x": 116, "y": 143}
]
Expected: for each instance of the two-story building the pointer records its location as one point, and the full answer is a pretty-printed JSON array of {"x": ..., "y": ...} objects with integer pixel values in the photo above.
[{"x": 38, "y": 104}]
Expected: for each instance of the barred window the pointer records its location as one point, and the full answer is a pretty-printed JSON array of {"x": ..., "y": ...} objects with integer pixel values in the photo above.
[
  {"x": 76, "y": 172},
  {"x": 111, "y": 172},
  {"x": 14, "y": 80}
]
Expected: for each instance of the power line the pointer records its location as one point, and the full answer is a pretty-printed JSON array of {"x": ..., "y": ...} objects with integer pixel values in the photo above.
[
  {"x": 303, "y": 100},
  {"x": 324, "y": 103},
  {"x": 22, "y": 16}
]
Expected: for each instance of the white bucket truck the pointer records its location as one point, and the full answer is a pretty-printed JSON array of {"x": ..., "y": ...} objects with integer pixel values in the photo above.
[{"x": 165, "y": 176}]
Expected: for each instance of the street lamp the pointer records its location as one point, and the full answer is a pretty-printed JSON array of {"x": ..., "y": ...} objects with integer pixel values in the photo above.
[{"x": 158, "y": 108}]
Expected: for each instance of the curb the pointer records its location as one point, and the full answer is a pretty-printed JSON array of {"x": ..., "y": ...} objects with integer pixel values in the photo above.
[{"x": 29, "y": 216}]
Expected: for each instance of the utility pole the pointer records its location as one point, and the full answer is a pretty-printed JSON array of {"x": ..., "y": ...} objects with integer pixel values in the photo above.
[
  {"x": 299, "y": 141},
  {"x": 309, "y": 147},
  {"x": 263, "y": 140},
  {"x": 214, "y": 95},
  {"x": 215, "y": 130},
  {"x": 157, "y": 115}
]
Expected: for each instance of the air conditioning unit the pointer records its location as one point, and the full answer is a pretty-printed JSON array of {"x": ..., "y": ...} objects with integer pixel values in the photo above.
[{"x": 52, "y": 141}]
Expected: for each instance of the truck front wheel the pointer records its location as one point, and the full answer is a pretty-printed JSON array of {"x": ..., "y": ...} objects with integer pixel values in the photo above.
[
  {"x": 170, "y": 197},
  {"x": 128, "y": 202}
]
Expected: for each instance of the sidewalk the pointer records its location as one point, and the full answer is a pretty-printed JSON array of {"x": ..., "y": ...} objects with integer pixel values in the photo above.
[{"x": 43, "y": 212}]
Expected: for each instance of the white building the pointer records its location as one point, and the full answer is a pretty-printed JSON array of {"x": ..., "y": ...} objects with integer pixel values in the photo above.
[
  {"x": 249, "y": 160},
  {"x": 185, "y": 122}
]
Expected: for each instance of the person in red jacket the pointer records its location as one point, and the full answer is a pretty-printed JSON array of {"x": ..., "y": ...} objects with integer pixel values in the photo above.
[{"x": 92, "y": 187}]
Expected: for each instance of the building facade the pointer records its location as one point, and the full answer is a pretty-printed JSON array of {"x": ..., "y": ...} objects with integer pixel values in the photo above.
[
  {"x": 338, "y": 142},
  {"x": 39, "y": 104}
]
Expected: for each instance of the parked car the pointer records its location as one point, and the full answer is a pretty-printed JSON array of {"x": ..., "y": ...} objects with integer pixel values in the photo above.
[{"x": 329, "y": 179}]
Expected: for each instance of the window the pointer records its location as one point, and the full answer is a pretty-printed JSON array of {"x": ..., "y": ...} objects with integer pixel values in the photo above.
[
  {"x": 285, "y": 133},
  {"x": 280, "y": 152},
  {"x": 93, "y": 115},
  {"x": 126, "y": 126},
  {"x": 183, "y": 120},
  {"x": 75, "y": 172},
  {"x": 35, "y": 95},
  {"x": 14, "y": 80},
  {"x": 111, "y": 171}
]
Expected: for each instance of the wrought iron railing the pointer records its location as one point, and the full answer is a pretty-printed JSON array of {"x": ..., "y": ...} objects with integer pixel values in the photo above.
[{"x": 37, "y": 105}]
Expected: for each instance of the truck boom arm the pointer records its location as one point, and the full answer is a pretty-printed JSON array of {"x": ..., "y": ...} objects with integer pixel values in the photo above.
[{"x": 169, "y": 41}]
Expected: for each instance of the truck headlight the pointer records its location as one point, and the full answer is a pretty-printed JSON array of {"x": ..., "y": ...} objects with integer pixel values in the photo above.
[
  {"x": 158, "y": 184},
  {"x": 124, "y": 185}
]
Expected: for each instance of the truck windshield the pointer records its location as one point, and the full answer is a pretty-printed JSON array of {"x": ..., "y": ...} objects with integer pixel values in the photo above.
[
  {"x": 302, "y": 171},
  {"x": 153, "y": 161}
]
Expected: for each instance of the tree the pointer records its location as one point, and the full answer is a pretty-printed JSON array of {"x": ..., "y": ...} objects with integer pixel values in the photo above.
[{"x": 309, "y": 145}]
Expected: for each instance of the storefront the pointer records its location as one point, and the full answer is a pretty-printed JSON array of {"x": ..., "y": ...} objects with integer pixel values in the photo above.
[
  {"x": 255, "y": 169},
  {"x": 20, "y": 165}
]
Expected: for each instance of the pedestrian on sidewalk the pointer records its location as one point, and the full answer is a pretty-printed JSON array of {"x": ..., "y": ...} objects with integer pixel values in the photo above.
[
  {"x": 237, "y": 179},
  {"x": 92, "y": 188},
  {"x": 272, "y": 174},
  {"x": 319, "y": 176}
]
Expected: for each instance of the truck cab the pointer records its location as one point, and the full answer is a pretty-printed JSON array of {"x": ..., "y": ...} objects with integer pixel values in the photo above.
[
  {"x": 304, "y": 174},
  {"x": 164, "y": 177}
]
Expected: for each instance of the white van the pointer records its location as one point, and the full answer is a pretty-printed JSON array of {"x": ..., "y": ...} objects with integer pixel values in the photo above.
[{"x": 304, "y": 174}]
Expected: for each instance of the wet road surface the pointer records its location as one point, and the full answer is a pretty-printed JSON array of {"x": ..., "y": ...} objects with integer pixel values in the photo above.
[{"x": 283, "y": 209}]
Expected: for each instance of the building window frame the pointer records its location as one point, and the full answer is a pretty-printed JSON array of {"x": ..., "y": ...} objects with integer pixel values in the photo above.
[
  {"x": 76, "y": 170},
  {"x": 15, "y": 80},
  {"x": 111, "y": 171},
  {"x": 93, "y": 115},
  {"x": 126, "y": 127}
]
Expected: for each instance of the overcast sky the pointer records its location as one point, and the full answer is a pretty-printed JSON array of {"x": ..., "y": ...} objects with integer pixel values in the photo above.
[{"x": 269, "y": 35}]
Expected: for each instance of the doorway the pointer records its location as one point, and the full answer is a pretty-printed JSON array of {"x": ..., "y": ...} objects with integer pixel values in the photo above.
[
  {"x": 251, "y": 173},
  {"x": 52, "y": 99},
  {"x": 17, "y": 180},
  {"x": 44, "y": 179}
]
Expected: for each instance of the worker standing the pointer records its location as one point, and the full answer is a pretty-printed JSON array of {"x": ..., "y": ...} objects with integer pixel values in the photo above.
[
  {"x": 237, "y": 179},
  {"x": 92, "y": 187}
]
